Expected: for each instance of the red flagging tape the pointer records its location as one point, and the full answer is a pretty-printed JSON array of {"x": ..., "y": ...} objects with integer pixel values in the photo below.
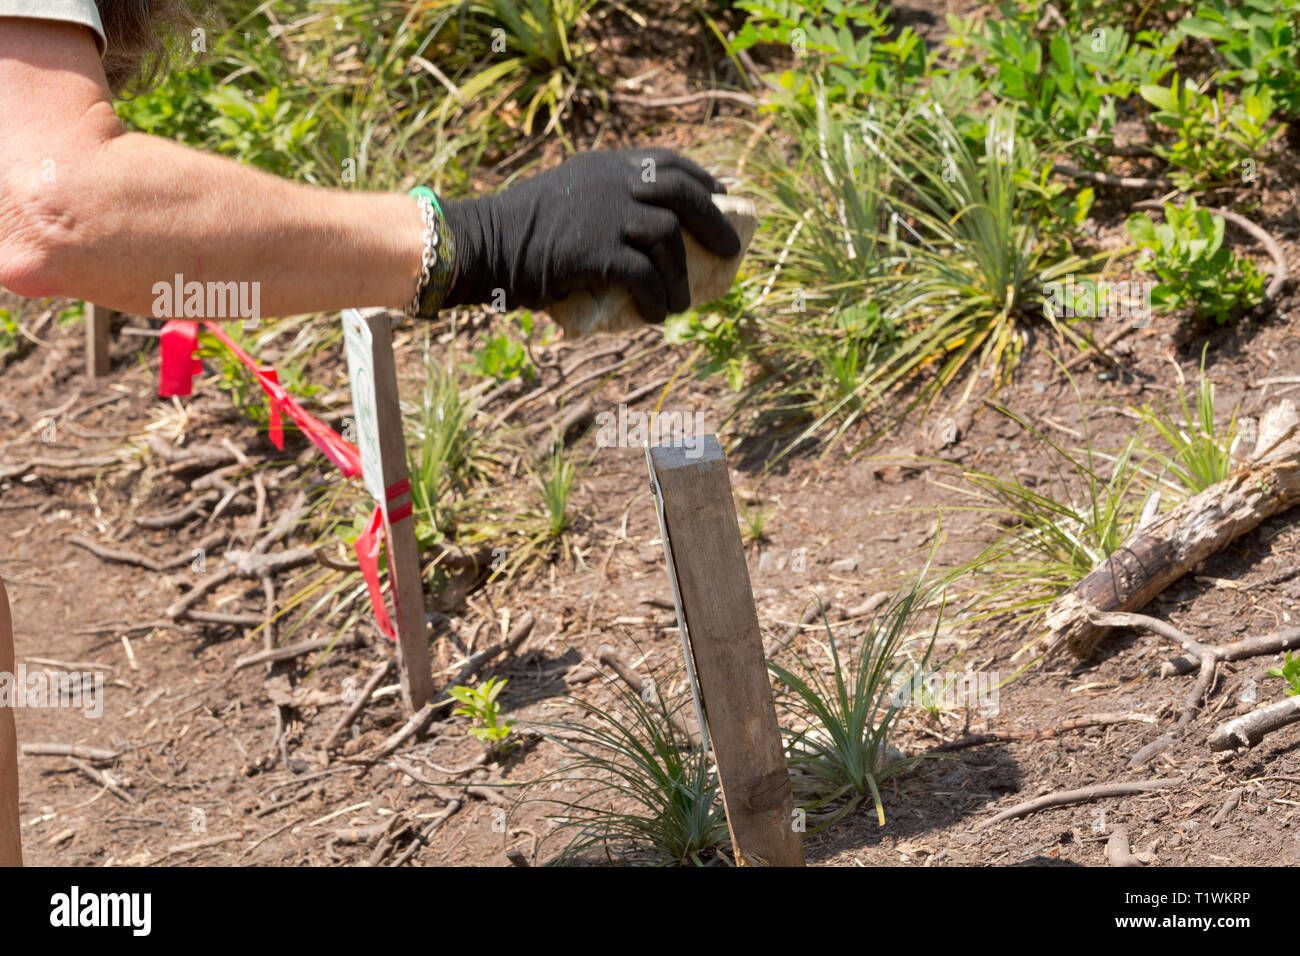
[
  {"x": 367, "y": 548},
  {"x": 176, "y": 377}
]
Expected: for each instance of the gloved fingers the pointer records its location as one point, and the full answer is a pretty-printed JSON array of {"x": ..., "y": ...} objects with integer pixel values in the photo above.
[
  {"x": 681, "y": 194},
  {"x": 668, "y": 159},
  {"x": 634, "y": 269},
  {"x": 655, "y": 232}
]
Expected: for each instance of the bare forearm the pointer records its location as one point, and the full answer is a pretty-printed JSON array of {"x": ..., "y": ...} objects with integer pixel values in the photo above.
[{"x": 138, "y": 211}]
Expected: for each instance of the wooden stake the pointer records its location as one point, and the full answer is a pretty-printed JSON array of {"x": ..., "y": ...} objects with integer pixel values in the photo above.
[
  {"x": 727, "y": 647},
  {"x": 381, "y": 422},
  {"x": 99, "y": 323}
]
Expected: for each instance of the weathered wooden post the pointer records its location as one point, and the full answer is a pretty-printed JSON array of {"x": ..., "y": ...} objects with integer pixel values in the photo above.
[
  {"x": 703, "y": 545},
  {"x": 99, "y": 323},
  {"x": 368, "y": 337}
]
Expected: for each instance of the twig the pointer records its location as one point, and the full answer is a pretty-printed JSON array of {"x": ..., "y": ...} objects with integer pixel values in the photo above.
[
  {"x": 1230, "y": 803},
  {"x": 1108, "y": 179},
  {"x": 1077, "y": 723},
  {"x": 382, "y": 671},
  {"x": 611, "y": 659},
  {"x": 744, "y": 99},
  {"x": 103, "y": 779},
  {"x": 93, "y": 754},
  {"x": 294, "y": 650}
]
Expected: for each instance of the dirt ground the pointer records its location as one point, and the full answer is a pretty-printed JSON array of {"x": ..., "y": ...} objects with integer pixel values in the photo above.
[{"x": 206, "y": 777}]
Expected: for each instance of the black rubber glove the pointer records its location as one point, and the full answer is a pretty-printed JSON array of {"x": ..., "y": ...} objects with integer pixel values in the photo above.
[{"x": 599, "y": 219}]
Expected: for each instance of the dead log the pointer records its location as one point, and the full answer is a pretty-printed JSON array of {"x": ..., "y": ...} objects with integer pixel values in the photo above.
[{"x": 1177, "y": 542}]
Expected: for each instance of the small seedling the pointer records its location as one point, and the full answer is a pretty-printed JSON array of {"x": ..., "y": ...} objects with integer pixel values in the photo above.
[
  {"x": 1289, "y": 672},
  {"x": 480, "y": 705}
]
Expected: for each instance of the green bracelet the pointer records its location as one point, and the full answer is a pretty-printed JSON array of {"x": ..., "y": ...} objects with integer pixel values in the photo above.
[
  {"x": 438, "y": 263},
  {"x": 429, "y": 194}
]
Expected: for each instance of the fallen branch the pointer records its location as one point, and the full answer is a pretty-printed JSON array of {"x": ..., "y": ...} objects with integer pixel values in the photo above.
[
  {"x": 1283, "y": 640},
  {"x": 1245, "y": 732},
  {"x": 1176, "y": 542},
  {"x": 1082, "y": 795},
  {"x": 114, "y": 555},
  {"x": 174, "y": 519}
]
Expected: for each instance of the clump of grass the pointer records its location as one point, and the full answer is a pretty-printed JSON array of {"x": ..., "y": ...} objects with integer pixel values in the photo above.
[
  {"x": 554, "y": 482},
  {"x": 1199, "y": 454},
  {"x": 646, "y": 796},
  {"x": 441, "y": 459},
  {"x": 1053, "y": 533},
  {"x": 843, "y": 752},
  {"x": 754, "y": 520}
]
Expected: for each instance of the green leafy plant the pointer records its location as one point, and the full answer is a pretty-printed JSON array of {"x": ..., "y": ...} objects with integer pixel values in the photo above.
[
  {"x": 1257, "y": 39},
  {"x": 1066, "y": 84},
  {"x": 1289, "y": 672},
  {"x": 1196, "y": 270},
  {"x": 842, "y": 752},
  {"x": 1215, "y": 144},
  {"x": 505, "y": 358},
  {"x": 544, "y": 64},
  {"x": 844, "y": 47},
  {"x": 480, "y": 705},
  {"x": 642, "y": 794},
  {"x": 980, "y": 262}
]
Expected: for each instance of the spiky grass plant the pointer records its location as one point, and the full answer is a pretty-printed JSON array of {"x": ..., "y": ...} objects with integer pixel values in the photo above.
[
  {"x": 1196, "y": 452},
  {"x": 901, "y": 254},
  {"x": 543, "y": 67},
  {"x": 842, "y": 755},
  {"x": 978, "y": 262},
  {"x": 554, "y": 482},
  {"x": 1055, "y": 531},
  {"x": 441, "y": 458},
  {"x": 644, "y": 795}
]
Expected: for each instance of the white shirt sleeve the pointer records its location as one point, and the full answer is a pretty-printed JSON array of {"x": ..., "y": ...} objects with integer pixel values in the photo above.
[{"x": 83, "y": 12}]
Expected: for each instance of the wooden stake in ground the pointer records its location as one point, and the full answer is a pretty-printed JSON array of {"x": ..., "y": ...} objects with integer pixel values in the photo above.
[
  {"x": 99, "y": 323},
  {"x": 368, "y": 337},
  {"x": 1176, "y": 542},
  {"x": 703, "y": 539}
]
